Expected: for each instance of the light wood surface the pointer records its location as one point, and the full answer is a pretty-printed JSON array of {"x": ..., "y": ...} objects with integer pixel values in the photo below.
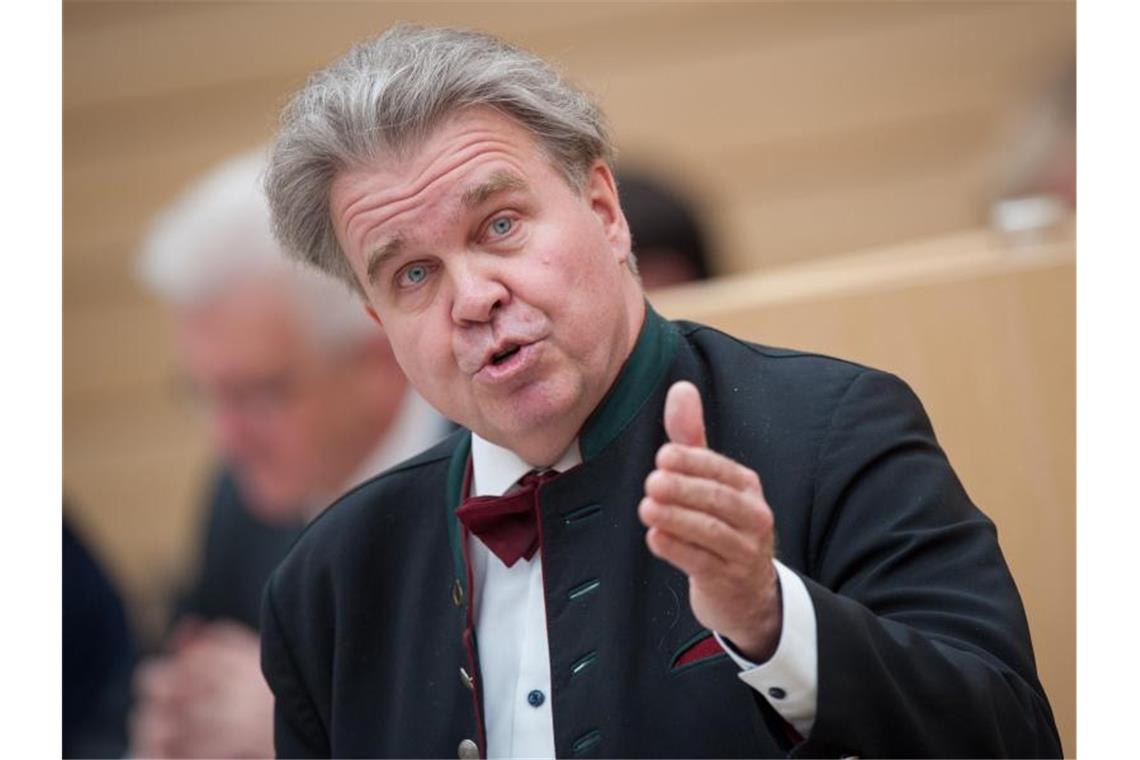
[{"x": 804, "y": 130}]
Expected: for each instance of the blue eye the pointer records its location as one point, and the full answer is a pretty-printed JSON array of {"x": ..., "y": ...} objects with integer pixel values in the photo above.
[
  {"x": 416, "y": 274},
  {"x": 502, "y": 225}
]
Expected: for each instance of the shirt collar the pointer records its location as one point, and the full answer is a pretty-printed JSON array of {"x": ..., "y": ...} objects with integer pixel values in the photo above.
[{"x": 496, "y": 469}]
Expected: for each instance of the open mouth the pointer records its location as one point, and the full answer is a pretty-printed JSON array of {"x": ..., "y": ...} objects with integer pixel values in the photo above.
[
  {"x": 509, "y": 363},
  {"x": 506, "y": 353}
]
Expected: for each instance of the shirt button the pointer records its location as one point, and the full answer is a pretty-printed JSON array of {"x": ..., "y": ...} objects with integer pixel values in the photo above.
[
  {"x": 777, "y": 693},
  {"x": 535, "y": 698},
  {"x": 468, "y": 750}
]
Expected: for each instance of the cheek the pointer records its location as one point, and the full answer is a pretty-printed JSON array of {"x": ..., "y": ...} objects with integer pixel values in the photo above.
[
  {"x": 301, "y": 434},
  {"x": 584, "y": 284},
  {"x": 591, "y": 261},
  {"x": 424, "y": 356},
  {"x": 563, "y": 269}
]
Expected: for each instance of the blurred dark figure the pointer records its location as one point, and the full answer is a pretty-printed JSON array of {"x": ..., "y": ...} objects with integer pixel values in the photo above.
[
  {"x": 98, "y": 654},
  {"x": 668, "y": 236}
]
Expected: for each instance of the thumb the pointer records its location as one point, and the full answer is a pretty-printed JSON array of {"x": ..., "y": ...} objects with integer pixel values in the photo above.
[{"x": 684, "y": 419}]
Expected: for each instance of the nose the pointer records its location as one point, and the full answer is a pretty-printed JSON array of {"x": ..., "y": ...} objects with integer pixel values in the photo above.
[{"x": 478, "y": 293}]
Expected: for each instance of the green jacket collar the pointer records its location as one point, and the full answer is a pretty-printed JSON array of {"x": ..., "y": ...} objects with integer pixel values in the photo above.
[{"x": 643, "y": 370}]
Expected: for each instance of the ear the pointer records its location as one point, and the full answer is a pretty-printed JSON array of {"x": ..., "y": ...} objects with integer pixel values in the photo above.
[
  {"x": 372, "y": 313},
  {"x": 602, "y": 195}
]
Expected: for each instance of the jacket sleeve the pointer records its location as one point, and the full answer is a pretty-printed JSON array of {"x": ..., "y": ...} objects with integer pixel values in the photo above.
[
  {"x": 298, "y": 730},
  {"x": 923, "y": 645}
]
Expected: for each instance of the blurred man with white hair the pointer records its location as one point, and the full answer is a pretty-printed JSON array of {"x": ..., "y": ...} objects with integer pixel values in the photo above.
[{"x": 305, "y": 401}]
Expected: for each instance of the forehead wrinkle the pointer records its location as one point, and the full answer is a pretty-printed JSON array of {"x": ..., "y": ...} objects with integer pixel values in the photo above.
[
  {"x": 475, "y": 145},
  {"x": 376, "y": 211},
  {"x": 500, "y": 181}
]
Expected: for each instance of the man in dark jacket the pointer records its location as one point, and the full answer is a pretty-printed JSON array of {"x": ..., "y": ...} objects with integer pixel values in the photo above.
[{"x": 590, "y": 567}]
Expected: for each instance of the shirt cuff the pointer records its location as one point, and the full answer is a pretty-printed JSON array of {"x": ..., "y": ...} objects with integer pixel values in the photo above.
[{"x": 789, "y": 680}]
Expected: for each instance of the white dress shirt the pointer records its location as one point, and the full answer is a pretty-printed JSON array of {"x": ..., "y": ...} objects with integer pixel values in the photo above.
[{"x": 514, "y": 653}]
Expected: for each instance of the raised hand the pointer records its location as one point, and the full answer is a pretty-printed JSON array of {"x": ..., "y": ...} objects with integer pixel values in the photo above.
[{"x": 707, "y": 516}]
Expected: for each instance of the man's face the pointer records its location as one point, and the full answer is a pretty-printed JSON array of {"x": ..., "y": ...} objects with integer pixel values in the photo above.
[
  {"x": 505, "y": 293},
  {"x": 279, "y": 408}
]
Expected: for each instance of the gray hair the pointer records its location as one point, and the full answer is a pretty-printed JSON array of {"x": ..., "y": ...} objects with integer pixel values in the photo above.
[
  {"x": 386, "y": 95},
  {"x": 216, "y": 237}
]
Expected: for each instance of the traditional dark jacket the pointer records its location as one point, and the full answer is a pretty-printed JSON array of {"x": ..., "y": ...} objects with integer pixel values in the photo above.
[{"x": 923, "y": 647}]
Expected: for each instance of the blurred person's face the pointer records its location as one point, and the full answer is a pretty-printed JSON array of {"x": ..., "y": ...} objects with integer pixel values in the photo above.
[
  {"x": 505, "y": 293},
  {"x": 288, "y": 418}
]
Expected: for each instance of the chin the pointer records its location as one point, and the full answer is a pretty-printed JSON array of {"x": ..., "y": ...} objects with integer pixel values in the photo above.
[
  {"x": 532, "y": 420},
  {"x": 273, "y": 504}
]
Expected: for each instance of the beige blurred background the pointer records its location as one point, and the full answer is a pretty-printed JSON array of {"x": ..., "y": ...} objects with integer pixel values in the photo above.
[{"x": 845, "y": 156}]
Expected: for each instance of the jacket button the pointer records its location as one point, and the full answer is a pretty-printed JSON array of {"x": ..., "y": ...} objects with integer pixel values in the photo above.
[
  {"x": 468, "y": 750},
  {"x": 457, "y": 594},
  {"x": 535, "y": 698},
  {"x": 777, "y": 693}
]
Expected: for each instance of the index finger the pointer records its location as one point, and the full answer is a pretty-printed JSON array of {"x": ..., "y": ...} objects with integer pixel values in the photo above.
[
  {"x": 228, "y": 632},
  {"x": 706, "y": 463}
]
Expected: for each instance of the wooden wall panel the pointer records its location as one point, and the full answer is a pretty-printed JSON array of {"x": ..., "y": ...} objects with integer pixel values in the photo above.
[
  {"x": 804, "y": 130},
  {"x": 838, "y": 92},
  {"x": 191, "y": 45}
]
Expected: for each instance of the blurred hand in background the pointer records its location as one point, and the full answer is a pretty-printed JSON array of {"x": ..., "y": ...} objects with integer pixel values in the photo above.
[{"x": 206, "y": 698}]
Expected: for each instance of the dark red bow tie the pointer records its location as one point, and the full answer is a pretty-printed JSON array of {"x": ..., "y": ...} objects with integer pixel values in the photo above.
[{"x": 508, "y": 524}]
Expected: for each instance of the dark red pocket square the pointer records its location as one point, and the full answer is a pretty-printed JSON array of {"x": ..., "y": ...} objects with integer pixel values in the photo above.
[{"x": 701, "y": 649}]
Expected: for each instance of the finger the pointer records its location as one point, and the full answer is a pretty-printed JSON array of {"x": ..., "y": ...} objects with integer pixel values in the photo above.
[
  {"x": 684, "y": 419},
  {"x": 692, "y": 560},
  {"x": 698, "y": 529},
  {"x": 706, "y": 463},
  {"x": 204, "y": 716},
  {"x": 229, "y": 632},
  {"x": 205, "y": 670},
  {"x": 738, "y": 509}
]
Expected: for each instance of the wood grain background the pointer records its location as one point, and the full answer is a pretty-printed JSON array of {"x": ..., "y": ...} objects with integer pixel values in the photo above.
[{"x": 806, "y": 131}]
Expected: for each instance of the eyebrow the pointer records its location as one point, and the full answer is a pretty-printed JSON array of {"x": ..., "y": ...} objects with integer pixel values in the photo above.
[
  {"x": 381, "y": 255},
  {"x": 499, "y": 182}
]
